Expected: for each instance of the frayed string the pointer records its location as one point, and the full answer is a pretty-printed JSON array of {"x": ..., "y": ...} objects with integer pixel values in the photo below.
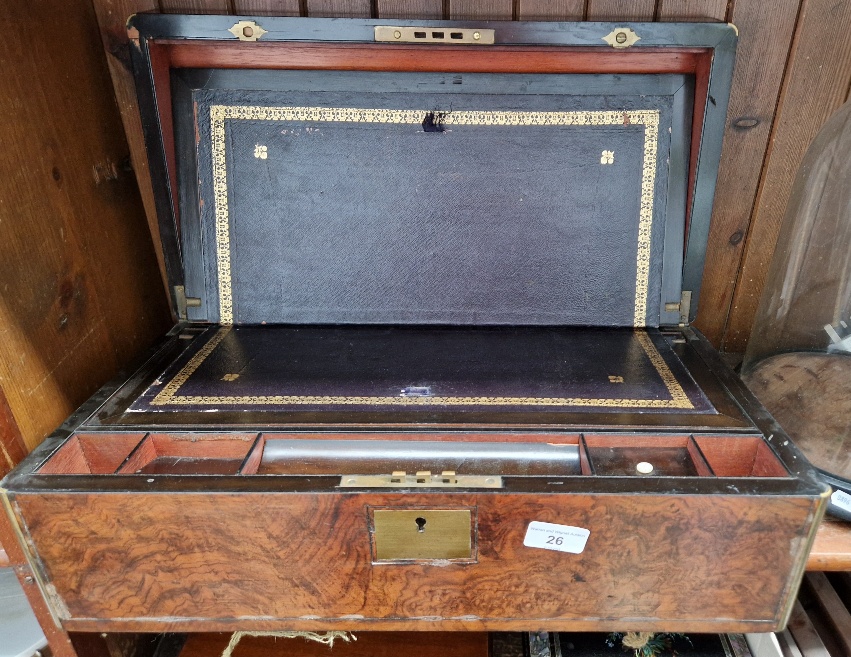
[{"x": 327, "y": 638}]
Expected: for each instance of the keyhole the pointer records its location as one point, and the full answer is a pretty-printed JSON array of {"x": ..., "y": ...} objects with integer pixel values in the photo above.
[{"x": 420, "y": 524}]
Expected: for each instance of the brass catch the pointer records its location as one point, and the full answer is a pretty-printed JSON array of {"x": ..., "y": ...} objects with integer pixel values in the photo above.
[
  {"x": 424, "y": 34},
  {"x": 421, "y": 479}
]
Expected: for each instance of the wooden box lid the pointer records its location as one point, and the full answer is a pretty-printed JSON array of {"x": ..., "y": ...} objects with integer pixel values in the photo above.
[{"x": 314, "y": 173}]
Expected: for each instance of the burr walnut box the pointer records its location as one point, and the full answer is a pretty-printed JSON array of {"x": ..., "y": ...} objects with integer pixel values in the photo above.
[{"x": 433, "y": 367}]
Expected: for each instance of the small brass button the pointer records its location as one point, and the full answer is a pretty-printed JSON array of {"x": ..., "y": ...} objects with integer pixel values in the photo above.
[
  {"x": 397, "y": 34},
  {"x": 477, "y": 36}
]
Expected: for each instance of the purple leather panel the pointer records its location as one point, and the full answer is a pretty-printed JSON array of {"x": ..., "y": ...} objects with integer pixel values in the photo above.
[{"x": 365, "y": 368}]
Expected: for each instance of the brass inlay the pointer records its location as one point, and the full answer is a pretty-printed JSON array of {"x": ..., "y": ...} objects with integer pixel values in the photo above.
[
  {"x": 424, "y": 34},
  {"x": 621, "y": 37},
  {"x": 168, "y": 395},
  {"x": 247, "y": 31},
  {"x": 607, "y": 157},
  {"x": 220, "y": 113},
  {"x": 615, "y": 379},
  {"x": 417, "y": 534},
  {"x": 261, "y": 152}
]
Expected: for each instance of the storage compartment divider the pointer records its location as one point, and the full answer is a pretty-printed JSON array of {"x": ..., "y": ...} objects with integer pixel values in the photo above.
[
  {"x": 252, "y": 460},
  {"x": 584, "y": 461},
  {"x": 92, "y": 453},
  {"x": 740, "y": 456},
  {"x": 630, "y": 455},
  {"x": 220, "y": 454}
]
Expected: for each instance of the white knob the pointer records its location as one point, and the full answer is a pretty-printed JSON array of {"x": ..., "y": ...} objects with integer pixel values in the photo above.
[{"x": 644, "y": 467}]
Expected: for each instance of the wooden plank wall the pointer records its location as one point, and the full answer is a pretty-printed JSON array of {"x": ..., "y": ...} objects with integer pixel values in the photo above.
[
  {"x": 793, "y": 71},
  {"x": 80, "y": 293}
]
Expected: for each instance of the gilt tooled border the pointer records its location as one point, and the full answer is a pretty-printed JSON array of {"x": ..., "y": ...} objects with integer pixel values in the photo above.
[
  {"x": 168, "y": 395},
  {"x": 220, "y": 113}
]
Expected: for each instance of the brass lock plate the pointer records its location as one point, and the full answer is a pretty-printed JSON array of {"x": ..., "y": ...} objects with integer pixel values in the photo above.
[{"x": 422, "y": 534}]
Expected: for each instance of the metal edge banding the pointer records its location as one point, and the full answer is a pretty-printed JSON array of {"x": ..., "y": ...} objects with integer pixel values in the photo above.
[
  {"x": 799, "y": 568},
  {"x": 219, "y": 114},
  {"x": 675, "y": 206},
  {"x": 280, "y": 28},
  {"x": 168, "y": 395}
]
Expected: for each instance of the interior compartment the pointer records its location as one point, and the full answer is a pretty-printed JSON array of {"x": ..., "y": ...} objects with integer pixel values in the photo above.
[
  {"x": 207, "y": 454},
  {"x": 740, "y": 456},
  {"x": 658, "y": 456},
  {"x": 283, "y": 456},
  {"x": 91, "y": 453}
]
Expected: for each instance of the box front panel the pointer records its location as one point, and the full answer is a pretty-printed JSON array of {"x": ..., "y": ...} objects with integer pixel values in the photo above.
[{"x": 248, "y": 561}]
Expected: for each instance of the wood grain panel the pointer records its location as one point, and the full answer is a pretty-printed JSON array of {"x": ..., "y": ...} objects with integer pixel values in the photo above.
[
  {"x": 834, "y": 612},
  {"x": 339, "y": 8},
  {"x": 816, "y": 84},
  {"x": 692, "y": 10},
  {"x": 112, "y": 18},
  {"x": 208, "y": 559},
  {"x": 551, "y": 10},
  {"x": 410, "y": 9},
  {"x": 805, "y": 635},
  {"x": 368, "y": 57},
  {"x": 82, "y": 294},
  {"x": 832, "y": 548},
  {"x": 266, "y": 7},
  {"x": 765, "y": 35},
  {"x": 621, "y": 10},
  {"x": 498, "y": 10},
  {"x": 194, "y": 6},
  {"x": 12, "y": 447}
]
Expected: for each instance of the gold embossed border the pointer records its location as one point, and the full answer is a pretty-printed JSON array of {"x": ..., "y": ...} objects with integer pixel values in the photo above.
[
  {"x": 221, "y": 113},
  {"x": 168, "y": 395}
]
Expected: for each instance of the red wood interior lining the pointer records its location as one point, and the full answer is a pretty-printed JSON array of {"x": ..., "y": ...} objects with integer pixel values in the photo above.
[
  {"x": 740, "y": 456},
  {"x": 166, "y": 54}
]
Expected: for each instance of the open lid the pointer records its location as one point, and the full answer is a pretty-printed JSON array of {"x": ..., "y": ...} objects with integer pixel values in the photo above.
[{"x": 311, "y": 173}]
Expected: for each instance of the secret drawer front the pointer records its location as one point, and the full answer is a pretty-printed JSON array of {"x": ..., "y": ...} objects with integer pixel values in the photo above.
[{"x": 129, "y": 561}]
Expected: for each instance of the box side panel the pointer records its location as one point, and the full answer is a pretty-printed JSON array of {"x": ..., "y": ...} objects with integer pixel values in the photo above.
[{"x": 304, "y": 561}]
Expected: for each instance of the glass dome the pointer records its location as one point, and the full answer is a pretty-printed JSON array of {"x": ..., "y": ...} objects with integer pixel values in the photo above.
[{"x": 798, "y": 360}]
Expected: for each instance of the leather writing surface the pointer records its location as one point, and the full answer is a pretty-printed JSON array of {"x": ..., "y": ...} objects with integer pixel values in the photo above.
[
  {"x": 379, "y": 208},
  {"x": 364, "y": 368}
]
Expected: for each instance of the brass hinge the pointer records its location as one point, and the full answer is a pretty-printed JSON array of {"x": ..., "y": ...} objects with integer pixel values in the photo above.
[
  {"x": 183, "y": 302},
  {"x": 425, "y": 34},
  {"x": 683, "y": 307}
]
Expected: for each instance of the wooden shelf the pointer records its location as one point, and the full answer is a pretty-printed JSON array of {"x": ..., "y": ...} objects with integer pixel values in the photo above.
[{"x": 832, "y": 548}]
